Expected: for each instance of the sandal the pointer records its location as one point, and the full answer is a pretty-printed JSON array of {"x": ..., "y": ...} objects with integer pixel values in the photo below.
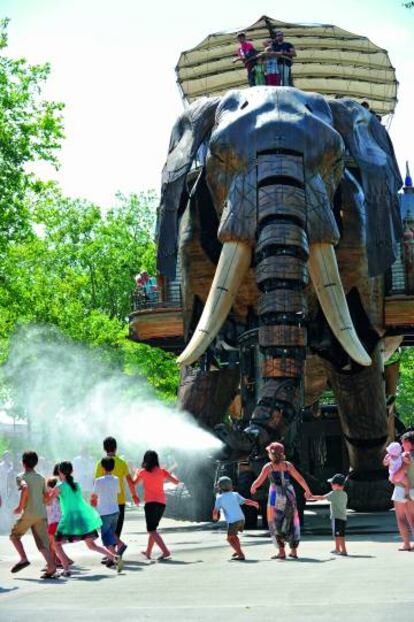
[
  {"x": 279, "y": 556},
  {"x": 164, "y": 557},
  {"x": 19, "y": 566},
  {"x": 293, "y": 555},
  {"x": 49, "y": 575}
]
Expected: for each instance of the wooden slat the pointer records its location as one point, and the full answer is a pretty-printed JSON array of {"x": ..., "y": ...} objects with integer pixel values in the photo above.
[
  {"x": 282, "y": 267},
  {"x": 283, "y": 301},
  {"x": 277, "y": 164},
  {"x": 281, "y": 200},
  {"x": 282, "y": 336},
  {"x": 282, "y": 368},
  {"x": 399, "y": 311},
  {"x": 157, "y": 324}
]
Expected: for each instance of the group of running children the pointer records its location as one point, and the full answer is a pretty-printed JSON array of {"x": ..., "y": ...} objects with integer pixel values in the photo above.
[{"x": 57, "y": 513}]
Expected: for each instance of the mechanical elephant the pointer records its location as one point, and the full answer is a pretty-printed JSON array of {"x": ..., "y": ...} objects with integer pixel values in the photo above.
[{"x": 281, "y": 207}]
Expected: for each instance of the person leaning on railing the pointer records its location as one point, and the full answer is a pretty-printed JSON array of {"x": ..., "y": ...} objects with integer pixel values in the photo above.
[{"x": 284, "y": 52}]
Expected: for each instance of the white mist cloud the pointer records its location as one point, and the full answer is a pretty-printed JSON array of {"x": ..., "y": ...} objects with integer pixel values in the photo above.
[{"x": 71, "y": 399}]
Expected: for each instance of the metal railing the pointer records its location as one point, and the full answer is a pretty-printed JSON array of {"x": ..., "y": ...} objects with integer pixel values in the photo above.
[
  {"x": 395, "y": 278},
  {"x": 168, "y": 297}
]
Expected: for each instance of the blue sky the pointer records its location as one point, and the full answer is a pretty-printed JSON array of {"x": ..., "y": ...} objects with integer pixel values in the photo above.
[{"x": 113, "y": 66}]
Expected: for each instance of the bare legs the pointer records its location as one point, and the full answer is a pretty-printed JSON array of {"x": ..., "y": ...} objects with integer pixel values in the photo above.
[
  {"x": 405, "y": 521},
  {"x": 90, "y": 543},
  {"x": 17, "y": 543},
  {"x": 155, "y": 538},
  {"x": 340, "y": 545},
  {"x": 235, "y": 544}
]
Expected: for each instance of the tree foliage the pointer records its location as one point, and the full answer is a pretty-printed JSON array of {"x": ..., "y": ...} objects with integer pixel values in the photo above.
[
  {"x": 77, "y": 274},
  {"x": 405, "y": 395},
  {"x": 30, "y": 130}
]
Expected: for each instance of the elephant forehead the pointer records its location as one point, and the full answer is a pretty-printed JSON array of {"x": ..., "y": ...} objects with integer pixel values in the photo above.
[
  {"x": 261, "y": 118},
  {"x": 283, "y": 100}
]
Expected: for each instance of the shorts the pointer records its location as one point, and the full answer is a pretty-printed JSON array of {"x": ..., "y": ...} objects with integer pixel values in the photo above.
[
  {"x": 108, "y": 529},
  {"x": 52, "y": 528},
  {"x": 153, "y": 514},
  {"x": 338, "y": 527},
  {"x": 273, "y": 79},
  {"x": 38, "y": 527},
  {"x": 234, "y": 528}
]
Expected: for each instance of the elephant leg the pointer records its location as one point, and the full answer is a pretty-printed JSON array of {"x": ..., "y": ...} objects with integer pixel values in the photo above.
[
  {"x": 207, "y": 395},
  {"x": 362, "y": 410}
]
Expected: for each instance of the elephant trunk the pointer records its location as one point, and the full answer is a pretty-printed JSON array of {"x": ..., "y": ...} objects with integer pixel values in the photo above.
[{"x": 281, "y": 273}]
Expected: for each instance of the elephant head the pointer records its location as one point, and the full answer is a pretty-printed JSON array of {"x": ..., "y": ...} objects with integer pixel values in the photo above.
[{"x": 275, "y": 159}]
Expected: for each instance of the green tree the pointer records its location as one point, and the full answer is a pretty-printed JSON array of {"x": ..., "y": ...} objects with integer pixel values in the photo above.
[
  {"x": 405, "y": 395},
  {"x": 30, "y": 131},
  {"x": 77, "y": 274}
]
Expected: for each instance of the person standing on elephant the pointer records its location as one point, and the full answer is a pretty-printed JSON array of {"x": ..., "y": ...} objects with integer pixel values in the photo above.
[
  {"x": 247, "y": 54},
  {"x": 282, "y": 512},
  {"x": 285, "y": 53}
]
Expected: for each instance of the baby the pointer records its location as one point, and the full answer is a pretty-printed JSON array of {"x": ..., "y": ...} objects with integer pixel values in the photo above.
[{"x": 394, "y": 461}]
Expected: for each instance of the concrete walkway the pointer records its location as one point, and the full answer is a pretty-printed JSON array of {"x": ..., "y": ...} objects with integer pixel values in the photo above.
[{"x": 376, "y": 582}]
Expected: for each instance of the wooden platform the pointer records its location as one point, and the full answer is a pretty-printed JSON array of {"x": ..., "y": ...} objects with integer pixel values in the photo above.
[
  {"x": 399, "y": 311},
  {"x": 161, "y": 327}
]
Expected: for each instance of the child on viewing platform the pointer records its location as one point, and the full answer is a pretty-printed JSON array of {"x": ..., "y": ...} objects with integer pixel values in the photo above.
[
  {"x": 338, "y": 500},
  {"x": 271, "y": 65},
  {"x": 153, "y": 477},
  {"x": 247, "y": 54},
  {"x": 230, "y": 502},
  {"x": 32, "y": 508},
  {"x": 259, "y": 72}
]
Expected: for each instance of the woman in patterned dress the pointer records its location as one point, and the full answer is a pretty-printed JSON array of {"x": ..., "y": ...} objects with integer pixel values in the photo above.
[{"x": 282, "y": 511}]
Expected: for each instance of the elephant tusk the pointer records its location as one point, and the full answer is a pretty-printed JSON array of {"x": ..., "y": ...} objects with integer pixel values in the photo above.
[
  {"x": 323, "y": 270},
  {"x": 233, "y": 264}
]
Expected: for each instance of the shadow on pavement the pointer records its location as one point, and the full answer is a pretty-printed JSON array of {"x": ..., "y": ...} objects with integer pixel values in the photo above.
[{"x": 4, "y": 590}]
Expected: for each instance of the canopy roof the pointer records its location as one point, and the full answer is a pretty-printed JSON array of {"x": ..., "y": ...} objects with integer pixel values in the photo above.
[{"x": 330, "y": 61}]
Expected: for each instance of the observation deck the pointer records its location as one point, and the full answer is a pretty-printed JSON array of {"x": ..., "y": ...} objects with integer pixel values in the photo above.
[{"x": 157, "y": 319}]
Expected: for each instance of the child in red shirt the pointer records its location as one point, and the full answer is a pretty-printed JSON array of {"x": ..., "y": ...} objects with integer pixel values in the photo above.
[
  {"x": 247, "y": 54},
  {"x": 153, "y": 478}
]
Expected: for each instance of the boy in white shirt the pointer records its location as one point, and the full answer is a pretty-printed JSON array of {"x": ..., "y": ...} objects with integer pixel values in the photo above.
[
  {"x": 230, "y": 502},
  {"x": 105, "y": 498}
]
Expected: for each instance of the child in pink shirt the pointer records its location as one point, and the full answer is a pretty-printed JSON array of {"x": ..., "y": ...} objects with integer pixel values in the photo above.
[
  {"x": 153, "y": 478},
  {"x": 247, "y": 54}
]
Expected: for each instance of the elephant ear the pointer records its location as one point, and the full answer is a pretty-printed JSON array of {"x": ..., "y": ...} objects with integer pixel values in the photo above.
[
  {"x": 370, "y": 146},
  {"x": 190, "y": 130}
]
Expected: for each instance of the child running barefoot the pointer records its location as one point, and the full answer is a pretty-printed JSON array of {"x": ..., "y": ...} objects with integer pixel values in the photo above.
[
  {"x": 79, "y": 520},
  {"x": 230, "y": 502},
  {"x": 153, "y": 478},
  {"x": 338, "y": 500}
]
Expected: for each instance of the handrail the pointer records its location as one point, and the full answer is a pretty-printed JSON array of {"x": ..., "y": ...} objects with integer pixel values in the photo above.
[{"x": 169, "y": 297}]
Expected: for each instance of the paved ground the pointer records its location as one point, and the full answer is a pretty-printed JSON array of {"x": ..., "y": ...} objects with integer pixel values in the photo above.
[{"x": 200, "y": 583}]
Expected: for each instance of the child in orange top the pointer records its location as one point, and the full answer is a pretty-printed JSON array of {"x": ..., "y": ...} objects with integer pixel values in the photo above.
[{"x": 153, "y": 478}]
